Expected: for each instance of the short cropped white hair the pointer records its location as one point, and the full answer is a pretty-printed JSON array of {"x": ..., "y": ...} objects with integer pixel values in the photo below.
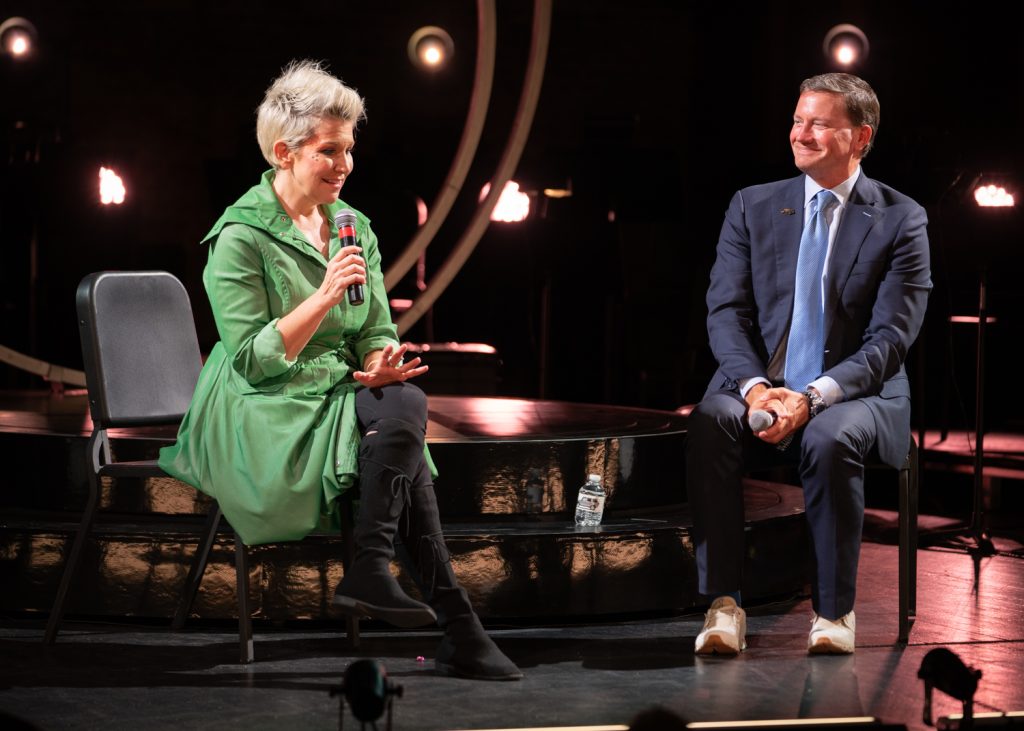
[{"x": 298, "y": 100}]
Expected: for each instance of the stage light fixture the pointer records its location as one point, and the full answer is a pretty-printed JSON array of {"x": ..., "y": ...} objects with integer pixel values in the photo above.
[
  {"x": 430, "y": 47},
  {"x": 513, "y": 204},
  {"x": 17, "y": 38},
  {"x": 563, "y": 191},
  {"x": 846, "y": 45},
  {"x": 369, "y": 692},
  {"x": 112, "y": 190},
  {"x": 993, "y": 196}
]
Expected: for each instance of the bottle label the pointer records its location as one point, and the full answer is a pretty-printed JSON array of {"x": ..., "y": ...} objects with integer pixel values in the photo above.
[{"x": 593, "y": 503}]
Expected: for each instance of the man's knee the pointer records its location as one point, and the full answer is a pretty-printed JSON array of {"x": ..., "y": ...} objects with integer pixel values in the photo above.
[
  {"x": 718, "y": 414},
  {"x": 841, "y": 431}
]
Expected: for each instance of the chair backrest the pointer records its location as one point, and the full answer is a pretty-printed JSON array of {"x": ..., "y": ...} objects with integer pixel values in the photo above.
[{"x": 139, "y": 347}]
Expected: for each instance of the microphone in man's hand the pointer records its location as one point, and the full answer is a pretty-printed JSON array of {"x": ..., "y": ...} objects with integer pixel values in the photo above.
[
  {"x": 761, "y": 419},
  {"x": 345, "y": 220}
]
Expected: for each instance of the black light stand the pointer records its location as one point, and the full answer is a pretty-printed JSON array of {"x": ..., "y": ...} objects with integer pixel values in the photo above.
[
  {"x": 978, "y": 530},
  {"x": 998, "y": 228}
]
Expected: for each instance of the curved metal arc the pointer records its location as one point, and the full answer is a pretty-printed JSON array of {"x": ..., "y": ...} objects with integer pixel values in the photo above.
[
  {"x": 47, "y": 371},
  {"x": 475, "y": 117},
  {"x": 506, "y": 166}
]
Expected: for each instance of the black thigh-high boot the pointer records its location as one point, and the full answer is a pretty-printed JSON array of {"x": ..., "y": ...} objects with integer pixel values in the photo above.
[
  {"x": 465, "y": 650},
  {"x": 389, "y": 455}
]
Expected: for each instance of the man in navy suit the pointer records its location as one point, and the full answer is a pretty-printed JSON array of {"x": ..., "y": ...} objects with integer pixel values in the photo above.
[{"x": 817, "y": 340}]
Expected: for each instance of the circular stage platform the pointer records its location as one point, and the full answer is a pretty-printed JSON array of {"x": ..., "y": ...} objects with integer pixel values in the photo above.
[{"x": 509, "y": 470}]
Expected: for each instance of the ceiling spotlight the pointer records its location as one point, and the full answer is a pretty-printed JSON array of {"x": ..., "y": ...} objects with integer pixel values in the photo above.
[
  {"x": 430, "y": 47},
  {"x": 17, "y": 37},
  {"x": 846, "y": 45}
]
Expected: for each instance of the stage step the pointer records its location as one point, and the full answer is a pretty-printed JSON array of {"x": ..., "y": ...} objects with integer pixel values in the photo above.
[{"x": 512, "y": 570}]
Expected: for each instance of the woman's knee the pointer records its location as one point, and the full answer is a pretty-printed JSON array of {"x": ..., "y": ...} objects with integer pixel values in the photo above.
[{"x": 404, "y": 401}]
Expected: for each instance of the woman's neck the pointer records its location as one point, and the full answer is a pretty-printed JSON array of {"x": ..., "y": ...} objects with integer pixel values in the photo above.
[{"x": 295, "y": 204}]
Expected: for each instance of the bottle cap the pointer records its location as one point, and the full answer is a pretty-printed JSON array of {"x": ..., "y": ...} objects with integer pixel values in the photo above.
[{"x": 594, "y": 478}]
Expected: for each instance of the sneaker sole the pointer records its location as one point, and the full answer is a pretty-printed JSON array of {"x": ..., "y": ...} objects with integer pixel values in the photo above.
[
  {"x": 825, "y": 646},
  {"x": 405, "y": 618},
  {"x": 715, "y": 645}
]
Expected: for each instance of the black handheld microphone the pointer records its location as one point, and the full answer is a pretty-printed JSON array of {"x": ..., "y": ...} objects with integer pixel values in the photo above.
[
  {"x": 760, "y": 419},
  {"x": 345, "y": 220}
]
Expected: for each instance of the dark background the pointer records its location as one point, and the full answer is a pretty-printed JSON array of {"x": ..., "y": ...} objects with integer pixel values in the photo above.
[{"x": 657, "y": 112}]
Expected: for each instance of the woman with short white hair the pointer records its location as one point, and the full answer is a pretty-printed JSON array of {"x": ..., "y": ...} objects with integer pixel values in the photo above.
[{"x": 307, "y": 395}]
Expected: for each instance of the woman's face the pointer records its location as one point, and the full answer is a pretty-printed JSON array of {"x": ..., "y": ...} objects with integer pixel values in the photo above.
[{"x": 318, "y": 169}]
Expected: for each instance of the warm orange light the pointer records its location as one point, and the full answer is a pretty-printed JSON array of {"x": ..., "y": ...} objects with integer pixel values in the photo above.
[
  {"x": 993, "y": 196},
  {"x": 430, "y": 47},
  {"x": 846, "y": 55},
  {"x": 846, "y": 44},
  {"x": 112, "y": 189},
  {"x": 17, "y": 37},
  {"x": 513, "y": 205},
  {"x": 432, "y": 54}
]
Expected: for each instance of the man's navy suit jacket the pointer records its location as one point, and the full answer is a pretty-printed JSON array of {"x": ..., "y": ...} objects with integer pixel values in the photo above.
[{"x": 876, "y": 292}]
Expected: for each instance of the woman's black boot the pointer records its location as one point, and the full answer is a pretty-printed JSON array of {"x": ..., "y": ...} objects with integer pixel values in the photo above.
[
  {"x": 466, "y": 650},
  {"x": 389, "y": 454}
]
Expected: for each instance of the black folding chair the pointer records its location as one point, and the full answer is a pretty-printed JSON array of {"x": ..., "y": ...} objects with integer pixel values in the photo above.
[{"x": 142, "y": 361}]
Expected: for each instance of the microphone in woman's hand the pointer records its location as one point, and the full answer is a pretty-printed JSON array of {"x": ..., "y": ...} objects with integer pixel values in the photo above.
[{"x": 345, "y": 220}]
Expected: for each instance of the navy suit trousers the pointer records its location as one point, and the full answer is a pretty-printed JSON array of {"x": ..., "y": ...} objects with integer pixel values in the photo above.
[{"x": 829, "y": 454}]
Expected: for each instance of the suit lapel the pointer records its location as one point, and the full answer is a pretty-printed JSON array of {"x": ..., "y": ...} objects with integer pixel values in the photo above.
[
  {"x": 860, "y": 216},
  {"x": 787, "y": 225}
]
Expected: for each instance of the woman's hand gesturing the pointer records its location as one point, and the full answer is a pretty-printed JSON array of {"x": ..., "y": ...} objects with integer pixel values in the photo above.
[{"x": 389, "y": 368}]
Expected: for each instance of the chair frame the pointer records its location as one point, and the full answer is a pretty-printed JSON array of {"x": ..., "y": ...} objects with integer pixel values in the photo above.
[
  {"x": 908, "y": 541},
  {"x": 100, "y": 464}
]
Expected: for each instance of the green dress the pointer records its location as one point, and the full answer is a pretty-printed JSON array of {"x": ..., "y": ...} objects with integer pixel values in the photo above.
[{"x": 276, "y": 441}]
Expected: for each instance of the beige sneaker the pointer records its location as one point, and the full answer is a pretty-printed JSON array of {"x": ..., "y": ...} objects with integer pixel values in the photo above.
[
  {"x": 832, "y": 638},
  {"x": 725, "y": 629}
]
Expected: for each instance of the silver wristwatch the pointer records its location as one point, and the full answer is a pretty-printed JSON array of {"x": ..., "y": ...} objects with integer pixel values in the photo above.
[{"x": 815, "y": 403}]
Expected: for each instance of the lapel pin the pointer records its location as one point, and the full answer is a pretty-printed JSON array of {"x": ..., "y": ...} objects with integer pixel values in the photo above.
[{"x": 788, "y": 211}]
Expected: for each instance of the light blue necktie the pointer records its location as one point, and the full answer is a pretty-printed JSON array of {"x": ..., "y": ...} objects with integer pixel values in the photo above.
[{"x": 806, "y": 348}]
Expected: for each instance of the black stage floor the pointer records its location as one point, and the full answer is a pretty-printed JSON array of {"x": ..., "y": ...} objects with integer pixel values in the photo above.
[
  {"x": 580, "y": 670},
  {"x": 128, "y": 677}
]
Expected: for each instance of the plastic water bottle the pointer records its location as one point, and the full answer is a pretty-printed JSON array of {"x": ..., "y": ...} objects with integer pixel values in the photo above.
[{"x": 590, "y": 502}]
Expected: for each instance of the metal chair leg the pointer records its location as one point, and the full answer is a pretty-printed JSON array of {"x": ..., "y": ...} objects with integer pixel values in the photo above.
[
  {"x": 198, "y": 567},
  {"x": 84, "y": 529},
  {"x": 246, "y": 653},
  {"x": 348, "y": 553},
  {"x": 913, "y": 503},
  {"x": 905, "y": 559}
]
